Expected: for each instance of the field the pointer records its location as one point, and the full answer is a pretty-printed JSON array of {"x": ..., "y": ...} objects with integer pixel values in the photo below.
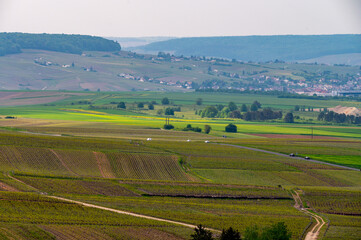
[{"x": 102, "y": 157}]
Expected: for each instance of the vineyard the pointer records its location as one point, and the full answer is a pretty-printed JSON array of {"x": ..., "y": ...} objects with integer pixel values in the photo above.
[
  {"x": 147, "y": 166},
  {"x": 92, "y": 164},
  {"x": 30, "y": 215},
  {"x": 103, "y": 158},
  {"x": 341, "y": 202}
]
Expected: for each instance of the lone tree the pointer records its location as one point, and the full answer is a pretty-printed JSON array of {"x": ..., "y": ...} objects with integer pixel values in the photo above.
[
  {"x": 165, "y": 101},
  {"x": 121, "y": 105},
  {"x": 231, "y": 128},
  {"x": 207, "y": 129},
  {"x": 288, "y": 118},
  {"x": 140, "y": 105},
  {"x": 230, "y": 234},
  {"x": 199, "y": 101},
  {"x": 150, "y": 106},
  {"x": 202, "y": 234}
]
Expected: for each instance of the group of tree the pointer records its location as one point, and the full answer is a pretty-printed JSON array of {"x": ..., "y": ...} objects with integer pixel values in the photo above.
[
  {"x": 76, "y": 44},
  {"x": 265, "y": 114},
  {"x": 190, "y": 128},
  {"x": 303, "y": 108},
  {"x": 338, "y": 117},
  {"x": 277, "y": 231},
  {"x": 247, "y": 113},
  {"x": 207, "y": 129}
]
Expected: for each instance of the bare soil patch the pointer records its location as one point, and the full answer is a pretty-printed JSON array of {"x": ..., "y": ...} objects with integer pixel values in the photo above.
[{"x": 5, "y": 187}]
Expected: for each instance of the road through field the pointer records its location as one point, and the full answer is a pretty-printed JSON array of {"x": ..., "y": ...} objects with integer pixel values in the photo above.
[{"x": 285, "y": 155}]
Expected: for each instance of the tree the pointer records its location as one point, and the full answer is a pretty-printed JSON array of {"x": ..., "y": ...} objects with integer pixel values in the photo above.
[
  {"x": 232, "y": 106},
  {"x": 150, "y": 106},
  {"x": 258, "y": 104},
  {"x": 169, "y": 111},
  {"x": 165, "y": 101},
  {"x": 254, "y": 107},
  {"x": 277, "y": 231},
  {"x": 235, "y": 114},
  {"x": 230, "y": 234},
  {"x": 244, "y": 108},
  {"x": 297, "y": 108},
  {"x": 121, "y": 105},
  {"x": 231, "y": 128},
  {"x": 289, "y": 118},
  {"x": 199, "y": 101},
  {"x": 210, "y": 112},
  {"x": 207, "y": 129},
  {"x": 201, "y": 233},
  {"x": 140, "y": 105},
  {"x": 251, "y": 233}
]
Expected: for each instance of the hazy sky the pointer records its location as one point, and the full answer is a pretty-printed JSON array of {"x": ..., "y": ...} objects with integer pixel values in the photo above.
[{"x": 127, "y": 18}]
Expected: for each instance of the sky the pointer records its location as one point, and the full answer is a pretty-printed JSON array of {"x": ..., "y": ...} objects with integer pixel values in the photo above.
[{"x": 181, "y": 18}]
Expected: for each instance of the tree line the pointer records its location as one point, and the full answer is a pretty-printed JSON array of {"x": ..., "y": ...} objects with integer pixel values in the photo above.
[
  {"x": 251, "y": 113},
  {"x": 14, "y": 42},
  {"x": 330, "y": 116}
]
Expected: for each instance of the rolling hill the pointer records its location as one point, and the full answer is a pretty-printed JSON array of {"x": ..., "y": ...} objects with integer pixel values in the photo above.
[{"x": 259, "y": 48}]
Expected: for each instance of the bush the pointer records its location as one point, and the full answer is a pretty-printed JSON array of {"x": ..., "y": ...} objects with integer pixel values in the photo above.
[
  {"x": 140, "y": 105},
  {"x": 168, "y": 126},
  {"x": 190, "y": 128},
  {"x": 121, "y": 105},
  {"x": 150, "y": 106},
  {"x": 288, "y": 118},
  {"x": 231, "y": 128}
]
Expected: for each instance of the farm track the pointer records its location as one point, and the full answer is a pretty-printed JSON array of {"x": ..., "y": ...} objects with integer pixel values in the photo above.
[
  {"x": 62, "y": 162},
  {"x": 285, "y": 155},
  {"x": 113, "y": 210},
  {"x": 315, "y": 231}
]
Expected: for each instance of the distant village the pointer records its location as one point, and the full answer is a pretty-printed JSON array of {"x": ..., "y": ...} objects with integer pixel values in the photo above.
[{"x": 320, "y": 84}]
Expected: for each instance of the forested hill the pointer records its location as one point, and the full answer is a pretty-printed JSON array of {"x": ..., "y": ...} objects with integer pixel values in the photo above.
[
  {"x": 14, "y": 42},
  {"x": 261, "y": 48}
]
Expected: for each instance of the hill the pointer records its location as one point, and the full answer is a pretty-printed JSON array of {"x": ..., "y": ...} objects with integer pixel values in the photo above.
[
  {"x": 260, "y": 48},
  {"x": 14, "y": 43},
  {"x": 128, "y": 71}
]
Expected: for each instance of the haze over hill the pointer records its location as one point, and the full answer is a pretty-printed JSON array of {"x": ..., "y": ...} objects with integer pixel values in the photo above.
[{"x": 259, "y": 48}]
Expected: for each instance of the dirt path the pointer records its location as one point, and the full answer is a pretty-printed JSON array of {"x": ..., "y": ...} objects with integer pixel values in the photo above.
[
  {"x": 114, "y": 210},
  {"x": 130, "y": 213},
  {"x": 62, "y": 162},
  {"x": 104, "y": 165},
  {"x": 285, "y": 155},
  {"x": 315, "y": 231}
]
